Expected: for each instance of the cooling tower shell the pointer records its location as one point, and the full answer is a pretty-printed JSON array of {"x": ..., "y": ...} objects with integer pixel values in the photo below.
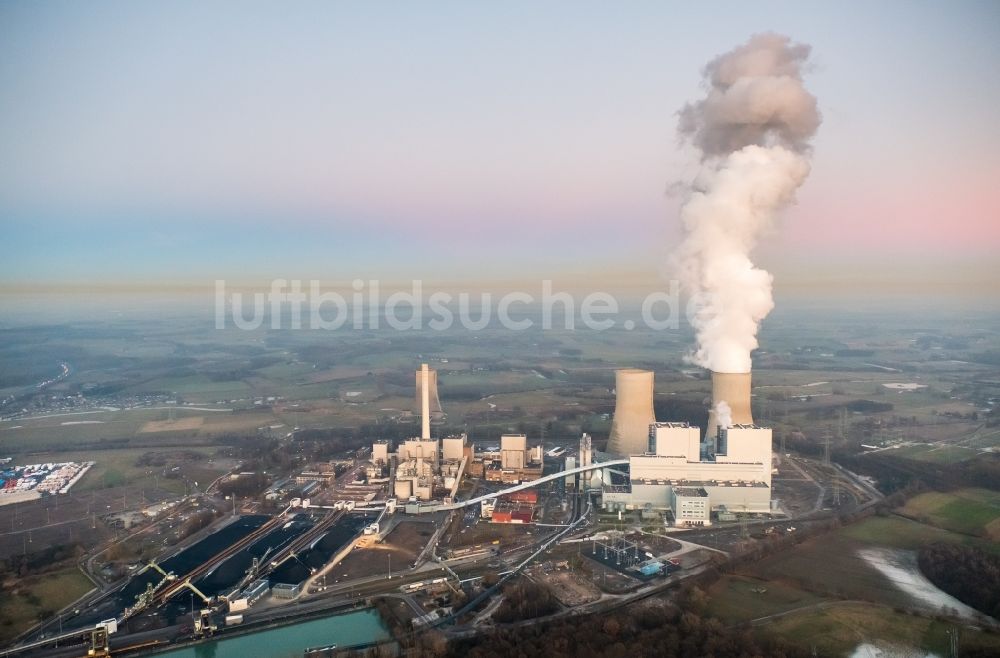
[
  {"x": 733, "y": 388},
  {"x": 633, "y": 412}
]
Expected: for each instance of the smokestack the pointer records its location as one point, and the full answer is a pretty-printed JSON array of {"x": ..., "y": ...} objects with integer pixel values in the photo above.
[
  {"x": 425, "y": 402},
  {"x": 633, "y": 412},
  {"x": 435, "y": 400},
  {"x": 730, "y": 402}
]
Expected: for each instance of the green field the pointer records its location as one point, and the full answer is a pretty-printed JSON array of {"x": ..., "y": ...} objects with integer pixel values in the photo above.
[
  {"x": 898, "y": 532},
  {"x": 128, "y": 428},
  {"x": 844, "y": 574},
  {"x": 984, "y": 437},
  {"x": 826, "y": 595},
  {"x": 938, "y": 455},
  {"x": 114, "y": 468},
  {"x": 741, "y": 598},
  {"x": 837, "y": 629},
  {"x": 968, "y": 511},
  {"x": 30, "y": 599},
  {"x": 197, "y": 386}
]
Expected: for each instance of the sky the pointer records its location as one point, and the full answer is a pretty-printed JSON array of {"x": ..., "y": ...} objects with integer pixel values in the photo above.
[{"x": 175, "y": 143}]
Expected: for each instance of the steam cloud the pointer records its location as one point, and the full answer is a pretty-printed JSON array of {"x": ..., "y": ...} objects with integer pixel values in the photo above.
[
  {"x": 752, "y": 129},
  {"x": 724, "y": 414}
]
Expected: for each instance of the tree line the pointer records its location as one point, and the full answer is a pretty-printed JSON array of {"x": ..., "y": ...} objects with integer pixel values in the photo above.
[{"x": 969, "y": 574}]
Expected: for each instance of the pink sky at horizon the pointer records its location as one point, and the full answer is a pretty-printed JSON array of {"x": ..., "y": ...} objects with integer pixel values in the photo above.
[{"x": 170, "y": 145}]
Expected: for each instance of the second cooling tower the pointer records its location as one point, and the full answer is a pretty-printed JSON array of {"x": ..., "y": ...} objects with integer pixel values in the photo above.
[
  {"x": 633, "y": 412},
  {"x": 733, "y": 388}
]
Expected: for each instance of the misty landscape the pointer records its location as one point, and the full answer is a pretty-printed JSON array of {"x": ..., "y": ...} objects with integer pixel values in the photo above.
[{"x": 455, "y": 330}]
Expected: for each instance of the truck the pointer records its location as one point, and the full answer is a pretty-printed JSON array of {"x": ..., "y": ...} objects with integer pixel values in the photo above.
[{"x": 233, "y": 620}]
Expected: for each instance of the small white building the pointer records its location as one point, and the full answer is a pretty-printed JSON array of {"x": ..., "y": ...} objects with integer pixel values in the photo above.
[{"x": 691, "y": 506}]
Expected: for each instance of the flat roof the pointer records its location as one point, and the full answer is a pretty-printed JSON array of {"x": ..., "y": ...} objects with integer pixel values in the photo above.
[
  {"x": 691, "y": 492},
  {"x": 701, "y": 483}
]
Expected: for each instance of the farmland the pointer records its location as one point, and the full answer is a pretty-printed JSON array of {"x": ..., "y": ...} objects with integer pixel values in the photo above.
[
  {"x": 968, "y": 511},
  {"x": 825, "y": 592},
  {"x": 38, "y": 597}
]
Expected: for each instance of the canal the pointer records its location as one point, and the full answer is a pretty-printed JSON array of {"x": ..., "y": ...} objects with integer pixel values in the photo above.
[{"x": 346, "y": 630}]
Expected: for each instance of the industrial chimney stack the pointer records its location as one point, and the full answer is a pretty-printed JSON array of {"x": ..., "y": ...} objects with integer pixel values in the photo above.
[
  {"x": 425, "y": 402},
  {"x": 733, "y": 388}
]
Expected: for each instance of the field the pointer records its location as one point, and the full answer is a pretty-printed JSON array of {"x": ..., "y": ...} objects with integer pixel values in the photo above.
[
  {"x": 967, "y": 511},
  {"x": 173, "y": 425},
  {"x": 837, "y": 629},
  {"x": 127, "y": 428},
  {"x": 39, "y": 597},
  {"x": 115, "y": 468},
  {"x": 739, "y": 598},
  {"x": 945, "y": 454},
  {"x": 899, "y": 532},
  {"x": 844, "y": 574},
  {"x": 822, "y": 592}
]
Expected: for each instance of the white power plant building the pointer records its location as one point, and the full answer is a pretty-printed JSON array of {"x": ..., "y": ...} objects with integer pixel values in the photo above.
[
  {"x": 678, "y": 471},
  {"x": 513, "y": 451},
  {"x": 453, "y": 447}
]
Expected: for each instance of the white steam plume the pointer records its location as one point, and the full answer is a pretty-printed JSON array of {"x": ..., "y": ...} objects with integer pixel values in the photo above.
[
  {"x": 724, "y": 414},
  {"x": 752, "y": 128}
]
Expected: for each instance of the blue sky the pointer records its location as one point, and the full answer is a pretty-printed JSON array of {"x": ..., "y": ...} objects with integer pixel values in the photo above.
[{"x": 180, "y": 142}]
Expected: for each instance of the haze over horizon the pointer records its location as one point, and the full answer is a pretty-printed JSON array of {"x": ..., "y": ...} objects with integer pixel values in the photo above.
[{"x": 167, "y": 146}]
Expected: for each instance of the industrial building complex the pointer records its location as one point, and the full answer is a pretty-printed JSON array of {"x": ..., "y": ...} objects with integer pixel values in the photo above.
[
  {"x": 672, "y": 467},
  {"x": 426, "y": 469},
  {"x": 678, "y": 469}
]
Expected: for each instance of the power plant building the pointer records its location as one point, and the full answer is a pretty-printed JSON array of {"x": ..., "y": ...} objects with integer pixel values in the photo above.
[
  {"x": 691, "y": 506},
  {"x": 453, "y": 447},
  {"x": 380, "y": 452},
  {"x": 680, "y": 472},
  {"x": 513, "y": 451},
  {"x": 424, "y": 467}
]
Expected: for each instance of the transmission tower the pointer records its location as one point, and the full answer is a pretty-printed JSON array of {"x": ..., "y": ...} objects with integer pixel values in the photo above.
[
  {"x": 836, "y": 490},
  {"x": 826, "y": 447},
  {"x": 744, "y": 527}
]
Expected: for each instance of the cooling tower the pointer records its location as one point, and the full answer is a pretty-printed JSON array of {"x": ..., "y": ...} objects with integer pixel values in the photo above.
[
  {"x": 633, "y": 412},
  {"x": 733, "y": 388}
]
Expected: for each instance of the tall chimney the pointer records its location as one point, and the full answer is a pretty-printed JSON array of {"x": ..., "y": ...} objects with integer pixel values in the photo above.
[
  {"x": 733, "y": 388},
  {"x": 633, "y": 412},
  {"x": 425, "y": 402}
]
